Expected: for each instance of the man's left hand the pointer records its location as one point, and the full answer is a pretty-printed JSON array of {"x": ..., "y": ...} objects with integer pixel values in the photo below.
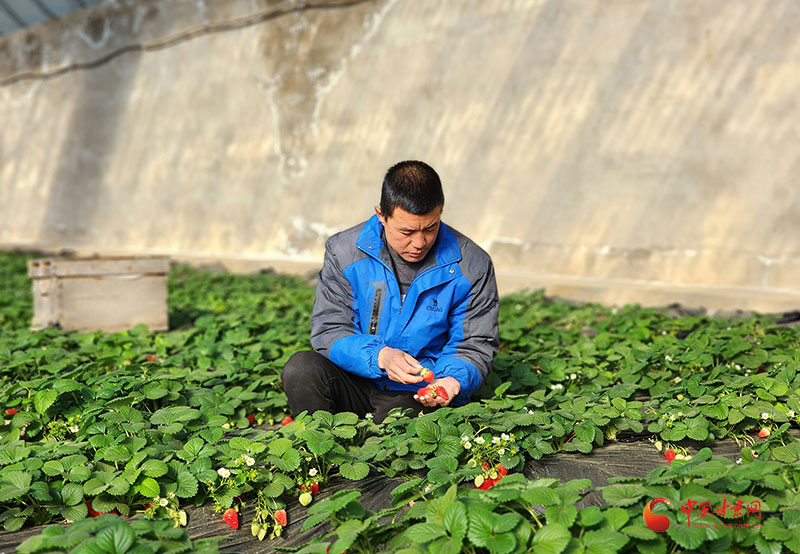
[{"x": 449, "y": 384}]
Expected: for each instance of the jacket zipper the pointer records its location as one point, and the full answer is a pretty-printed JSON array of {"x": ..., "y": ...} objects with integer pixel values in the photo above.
[{"x": 376, "y": 311}]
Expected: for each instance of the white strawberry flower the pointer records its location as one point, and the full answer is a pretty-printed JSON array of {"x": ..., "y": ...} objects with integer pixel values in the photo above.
[
  {"x": 764, "y": 415},
  {"x": 502, "y": 451},
  {"x": 467, "y": 445},
  {"x": 224, "y": 472},
  {"x": 479, "y": 440},
  {"x": 249, "y": 461},
  {"x": 163, "y": 502},
  {"x": 312, "y": 472},
  {"x": 504, "y": 436},
  {"x": 790, "y": 413},
  {"x": 495, "y": 440},
  {"x": 73, "y": 428}
]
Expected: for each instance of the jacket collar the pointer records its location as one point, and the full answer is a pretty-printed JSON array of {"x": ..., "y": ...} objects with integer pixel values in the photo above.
[{"x": 445, "y": 250}]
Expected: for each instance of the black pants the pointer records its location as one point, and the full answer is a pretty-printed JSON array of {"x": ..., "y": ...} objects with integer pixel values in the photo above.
[{"x": 312, "y": 382}]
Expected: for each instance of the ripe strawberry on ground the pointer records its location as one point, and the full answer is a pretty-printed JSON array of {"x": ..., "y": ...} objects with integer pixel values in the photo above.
[
  {"x": 251, "y": 418},
  {"x": 231, "y": 517},
  {"x": 426, "y": 374},
  {"x": 669, "y": 455},
  {"x": 91, "y": 511},
  {"x": 280, "y": 517},
  {"x": 287, "y": 420}
]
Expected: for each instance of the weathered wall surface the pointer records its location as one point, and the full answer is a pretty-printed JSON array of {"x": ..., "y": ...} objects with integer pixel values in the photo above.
[{"x": 615, "y": 151}]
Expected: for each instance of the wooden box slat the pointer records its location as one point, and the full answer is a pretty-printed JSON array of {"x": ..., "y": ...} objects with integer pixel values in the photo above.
[{"x": 108, "y": 294}]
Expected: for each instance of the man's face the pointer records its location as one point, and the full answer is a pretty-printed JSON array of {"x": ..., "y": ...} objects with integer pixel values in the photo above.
[{"x": 411, "y": 236}]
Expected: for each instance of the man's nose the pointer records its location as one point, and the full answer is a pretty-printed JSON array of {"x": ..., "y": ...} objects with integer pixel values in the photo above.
[{"x": 418, "y": 241}]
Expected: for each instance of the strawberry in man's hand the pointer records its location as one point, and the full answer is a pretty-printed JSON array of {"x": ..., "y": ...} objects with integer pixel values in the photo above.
[
  {"x": 231, "y": 517},
  {"x": 426, "y": 374},
  {"x": 433, "y": 391}
]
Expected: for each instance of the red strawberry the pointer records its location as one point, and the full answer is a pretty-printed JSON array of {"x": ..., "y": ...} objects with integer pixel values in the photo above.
[
  {"x": 280, "y": 517},
  {"x": 148, "y": 506},
  {"x": 231, "y": 517},
  {"x": 426, "y": 374},
  {"x": 485, "y": 466},
  {"x": 314, "y": 488},
  {"x": 287, "y": 420},
  {"x": 92, "y": 511},
  {"x": 488, "y": 483},
  {"x": 251, "y": 419},
  {"x": 11, "y": 411},
  {"x": 302, "y": 487},
  {"x": 764, "y": 433},
  {"x": 501, "y": 470},
  {"x": 151, "y": 358},
  {"x": 433, "y": 391},
  {"x": 669, "y": 455}
]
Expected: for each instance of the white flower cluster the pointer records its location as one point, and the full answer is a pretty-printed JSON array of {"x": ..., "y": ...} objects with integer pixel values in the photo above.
[
  {"x": 557, "y": 386},
  {"x": 503, "y": 440},
  {"x": 224, "y": 472}
]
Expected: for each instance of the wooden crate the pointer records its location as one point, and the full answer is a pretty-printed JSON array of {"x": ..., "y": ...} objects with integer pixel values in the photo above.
[{"x": 108, "y": 294}]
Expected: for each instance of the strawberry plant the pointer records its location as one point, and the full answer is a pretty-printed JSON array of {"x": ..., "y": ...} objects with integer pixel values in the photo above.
[{"x": 137, "y": 422}]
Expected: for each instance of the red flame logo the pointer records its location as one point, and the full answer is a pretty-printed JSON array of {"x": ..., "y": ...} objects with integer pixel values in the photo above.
[{"x": 656, "y": 522}]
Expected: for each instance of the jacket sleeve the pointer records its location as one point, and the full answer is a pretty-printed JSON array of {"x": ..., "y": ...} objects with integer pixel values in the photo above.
[
  {"x": 474, "y": 337},
  {"x": 335, "y": 331}
]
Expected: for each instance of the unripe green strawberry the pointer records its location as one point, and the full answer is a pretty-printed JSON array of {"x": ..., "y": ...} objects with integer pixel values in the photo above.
[
  {"x": 254, "y": 528},
  {"x": 305, "y": 498},
  {"x": 262, "y": 533}
]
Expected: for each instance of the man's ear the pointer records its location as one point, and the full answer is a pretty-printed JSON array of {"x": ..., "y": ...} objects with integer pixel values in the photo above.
[{"x": 380, "y": 215}]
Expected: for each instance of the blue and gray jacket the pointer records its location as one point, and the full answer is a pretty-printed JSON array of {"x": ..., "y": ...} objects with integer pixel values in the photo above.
[{"x": 448, "y": 320}]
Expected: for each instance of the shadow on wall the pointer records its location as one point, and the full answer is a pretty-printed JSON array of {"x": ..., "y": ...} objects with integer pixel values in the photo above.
[{"x": 75, "y": 197}]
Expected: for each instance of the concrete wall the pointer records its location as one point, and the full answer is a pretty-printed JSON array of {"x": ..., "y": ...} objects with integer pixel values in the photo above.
[{"x": 609, "y": 150}]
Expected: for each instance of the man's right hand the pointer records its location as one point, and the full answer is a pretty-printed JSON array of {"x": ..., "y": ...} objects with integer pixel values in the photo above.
[{"x": 399, "y": 366}]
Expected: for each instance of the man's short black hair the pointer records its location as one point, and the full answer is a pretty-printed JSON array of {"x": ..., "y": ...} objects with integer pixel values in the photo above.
[{"x": 413, "y": 186}]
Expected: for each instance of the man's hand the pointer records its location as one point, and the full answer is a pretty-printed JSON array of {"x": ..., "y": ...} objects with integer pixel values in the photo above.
[
  {"x": 449, "y": 384},
  {"x": 399, "y": 366}
]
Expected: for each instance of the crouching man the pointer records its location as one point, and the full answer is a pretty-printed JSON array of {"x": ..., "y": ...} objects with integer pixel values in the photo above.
[{"x": 396, "y": 294}]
